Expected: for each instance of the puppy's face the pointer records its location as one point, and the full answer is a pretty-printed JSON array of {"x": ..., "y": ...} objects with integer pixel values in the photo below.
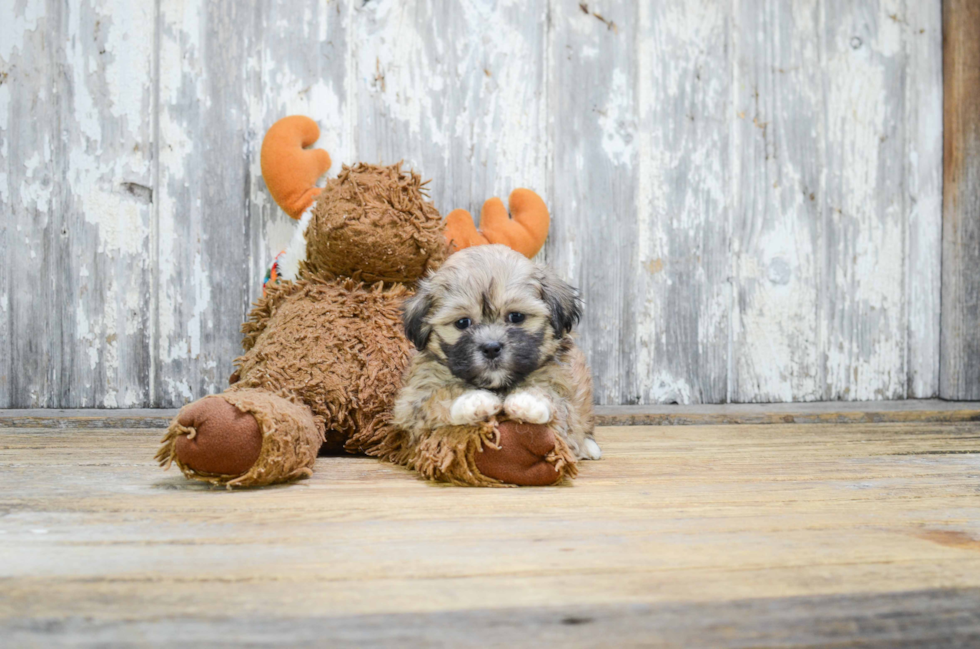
[{"x": 491, "y": 315}]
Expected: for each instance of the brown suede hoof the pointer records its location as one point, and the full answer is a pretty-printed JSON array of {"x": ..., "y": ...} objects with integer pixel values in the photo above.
[
  {"x": 227, "y": 441},
  {"x": 521, "y": 457}
]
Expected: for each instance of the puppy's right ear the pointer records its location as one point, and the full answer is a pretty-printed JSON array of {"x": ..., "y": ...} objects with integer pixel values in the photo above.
[{"x": 414, "y": 314}]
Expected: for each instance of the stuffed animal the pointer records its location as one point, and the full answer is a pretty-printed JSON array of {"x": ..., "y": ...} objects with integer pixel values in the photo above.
[{"x": 325, "y": 348}]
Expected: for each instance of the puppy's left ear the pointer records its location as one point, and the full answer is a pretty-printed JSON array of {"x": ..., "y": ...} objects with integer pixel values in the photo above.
[
  {"x": 414, "y": 314},
  {"x": 563, "y": 301}
]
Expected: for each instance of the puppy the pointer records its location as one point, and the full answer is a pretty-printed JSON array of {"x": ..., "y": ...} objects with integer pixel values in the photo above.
[{"x": 493, "y": 333}]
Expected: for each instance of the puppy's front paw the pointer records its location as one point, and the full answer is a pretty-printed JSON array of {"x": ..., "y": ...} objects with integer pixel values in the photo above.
[
  {"x": 529, "y": 408},
  {"x": 474, "y": 406},
  {"x": 590, "y": 450}
]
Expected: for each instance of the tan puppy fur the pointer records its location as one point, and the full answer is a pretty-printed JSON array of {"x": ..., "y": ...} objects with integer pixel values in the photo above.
[{"x": 493, "y": 333}]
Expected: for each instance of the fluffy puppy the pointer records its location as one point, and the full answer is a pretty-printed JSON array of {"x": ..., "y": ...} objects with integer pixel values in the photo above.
[{"x": 493, "y": 333}]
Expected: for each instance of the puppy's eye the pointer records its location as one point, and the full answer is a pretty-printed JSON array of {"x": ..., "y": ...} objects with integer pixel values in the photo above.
[
  {"x": 515, "y": 317},
  {"x": 463, "y": 323}
]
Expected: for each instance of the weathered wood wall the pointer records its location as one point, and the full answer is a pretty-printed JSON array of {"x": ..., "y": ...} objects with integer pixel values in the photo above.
[
  {"x": 748, "y": 192},
  {"x": 960, "y": 338}
]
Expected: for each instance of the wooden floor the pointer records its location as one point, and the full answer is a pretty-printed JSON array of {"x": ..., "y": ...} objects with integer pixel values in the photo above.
[{"x": 729, "y": 536}]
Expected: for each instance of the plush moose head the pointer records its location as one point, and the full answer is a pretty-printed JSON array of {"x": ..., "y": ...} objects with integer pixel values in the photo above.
[{"x": 377, "y": 222}]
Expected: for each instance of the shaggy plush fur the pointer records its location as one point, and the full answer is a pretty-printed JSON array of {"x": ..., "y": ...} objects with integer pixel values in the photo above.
[
  {"x": 374, "y": 223},
  {"x": 333, "y": 345},
  {"x": 329, "y": 344},
  {"x": 453, "y": 453}
]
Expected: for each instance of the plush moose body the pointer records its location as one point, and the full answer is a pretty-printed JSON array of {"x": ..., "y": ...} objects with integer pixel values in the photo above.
[{"x": 325, "y": 348}]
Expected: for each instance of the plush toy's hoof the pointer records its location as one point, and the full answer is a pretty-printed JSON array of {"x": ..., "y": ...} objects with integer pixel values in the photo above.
[
  {"x": 225, "y": 441},
  {"x": 522, "y": 457}
]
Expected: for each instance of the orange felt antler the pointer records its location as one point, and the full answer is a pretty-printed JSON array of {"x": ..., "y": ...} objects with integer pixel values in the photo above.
[
  {"x": 525, "y": 233},
  {"x": 289, "y": 168}
]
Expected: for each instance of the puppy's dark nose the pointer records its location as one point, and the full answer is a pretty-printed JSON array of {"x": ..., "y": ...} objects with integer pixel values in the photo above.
[{"x": 491, "y": 350}]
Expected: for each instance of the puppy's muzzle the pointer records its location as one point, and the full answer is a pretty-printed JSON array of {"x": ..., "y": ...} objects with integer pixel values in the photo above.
[{"x": 491, "y": 350}]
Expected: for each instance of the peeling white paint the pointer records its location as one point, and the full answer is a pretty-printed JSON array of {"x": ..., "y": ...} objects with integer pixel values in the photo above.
[
  {"x": 20, "y": 20},
  {"x": 617, "y": 121},
  {"x": 202, "y": 303},
  {"x": 701, "y": 129},
  {"x": 680, "y": 298},
  {"x": 36, "y": 189},
  {"x": 120, "y": 221},
  {"x": 181, "y": 389},
  {"x": 467, "y": 112},
  {"x": 85, "y": 337},
  {"x": 129, "y": 55},
  {"x": 83, "y": 186},
  {"x": 666, "y": 387},
  {"x": 181, "y": 78},
  {"x": 395, "y": 66}
]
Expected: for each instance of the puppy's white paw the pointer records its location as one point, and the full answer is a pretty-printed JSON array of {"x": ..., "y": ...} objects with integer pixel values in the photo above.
[
  {"x": 528, "y": 408},
  {"x": 474, "y": 406},
  {"x": 590, "y": 449}
]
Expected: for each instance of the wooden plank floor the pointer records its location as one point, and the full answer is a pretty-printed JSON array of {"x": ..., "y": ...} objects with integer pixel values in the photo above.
[{"x": 731, "y": 536}]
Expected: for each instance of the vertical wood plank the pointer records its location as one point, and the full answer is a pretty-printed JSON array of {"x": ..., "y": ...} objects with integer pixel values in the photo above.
[
  {"x": 829, "y": 304},
  {"x": 201, "y": 239},
  {"x": 593, "y": 233},
  {"x": 777, "y": 351},
  {"x": 30, "y": 342},
  {"x": 456, "y": 89},
  {"x": 679, "y": 289},
  {"x": 80, "y": 147},
  {"x": 110, "y": 177},
  {"x": 865, "y": 214},
  {"x": 923, "y": 129},
  {"x": 960, "y": 364}
]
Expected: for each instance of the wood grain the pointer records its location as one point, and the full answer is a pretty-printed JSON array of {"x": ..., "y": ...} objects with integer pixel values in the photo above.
[
  {"x": 924, "y": 195},
  {"x": 201, "y": 243},
  {"x": 298, "y": 65},
  {"x": 960, "y": 373},
  {"x": 931, "y": 618},
  {"x": 593, "y": 105},
  {"x": 776, "y": 350},
  {"x": 456, "y": 90},
  {"x": 864, "y": 212},
  {"x": 77, "y": 149},
  {"x": 747, "y": 192},
  {"x": 832, "y": 199},
  {"x": 821, "y": 412},
  {"x": 678, "y": 286},
  {"x": 856, "y": 535}
]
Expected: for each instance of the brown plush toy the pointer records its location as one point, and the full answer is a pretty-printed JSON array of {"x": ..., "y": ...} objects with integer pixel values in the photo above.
[{"x": 325, "y": 348}]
